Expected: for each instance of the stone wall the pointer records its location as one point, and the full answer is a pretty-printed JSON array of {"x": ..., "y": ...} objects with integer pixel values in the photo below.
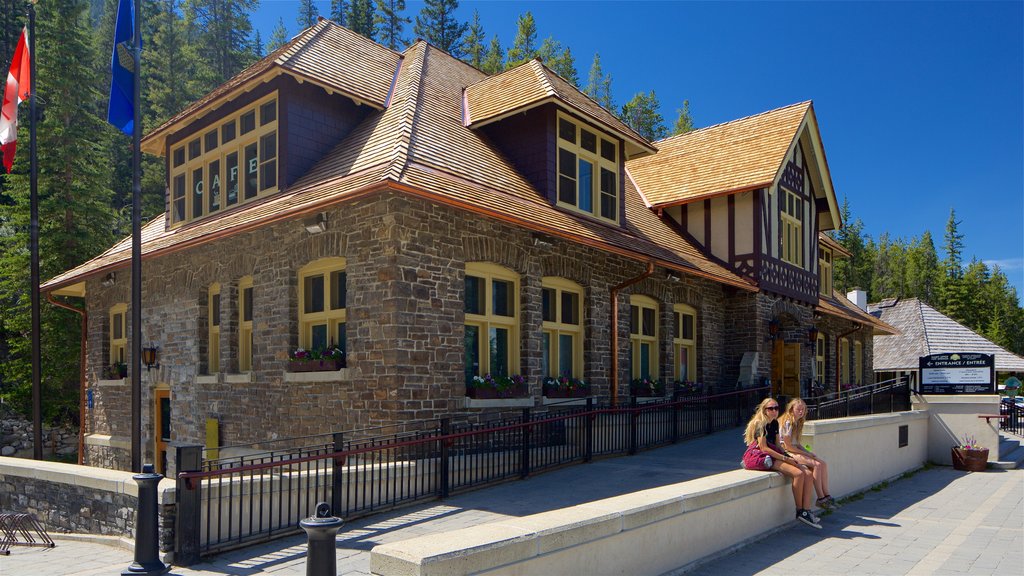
[{"x": 17, "y": 439}]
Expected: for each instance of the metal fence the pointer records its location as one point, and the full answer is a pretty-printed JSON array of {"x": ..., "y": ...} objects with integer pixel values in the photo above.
[
  {"x": 1012, "y": 416},
  {"x": 887, "y": 396},
  {"x": 233, "y": 502}
]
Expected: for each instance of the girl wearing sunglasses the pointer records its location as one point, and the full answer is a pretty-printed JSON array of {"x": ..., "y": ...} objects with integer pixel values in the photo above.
[
  {"x": 763, "y": 429},
  {"x": 792, "y": 427}
]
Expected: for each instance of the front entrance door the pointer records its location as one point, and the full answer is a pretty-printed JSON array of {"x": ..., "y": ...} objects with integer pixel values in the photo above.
[
  {"x": 786, "y": 369},
  {"x": 162, "y": 429}
]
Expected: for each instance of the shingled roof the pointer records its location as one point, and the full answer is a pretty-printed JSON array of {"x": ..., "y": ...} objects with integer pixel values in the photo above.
[
  {"x": 841, "y": 307},
  {"x": 420, "y": 145},
  {"x": 736, "y": 156},
  {"x": 925, "y": 331}
]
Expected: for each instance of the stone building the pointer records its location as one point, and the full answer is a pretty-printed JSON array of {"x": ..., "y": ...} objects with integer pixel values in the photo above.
[{"x": 438, "y": 224}]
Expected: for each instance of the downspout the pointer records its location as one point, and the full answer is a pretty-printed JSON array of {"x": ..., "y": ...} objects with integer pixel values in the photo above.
[
  {"x": 81, "y": 373},
  {"x": 615, "y": 328},
  {"x": 839, "y": 337}
]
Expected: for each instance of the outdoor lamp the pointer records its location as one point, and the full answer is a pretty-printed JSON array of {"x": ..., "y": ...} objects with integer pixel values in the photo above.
[
  {"x": 773, "y": 329},
  {"x": 812, "y": 335},
  {"x": 149, "y": 357}
]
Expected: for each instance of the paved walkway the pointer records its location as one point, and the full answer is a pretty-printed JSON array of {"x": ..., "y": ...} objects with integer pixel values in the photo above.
[{"x": 926, "y": 523}]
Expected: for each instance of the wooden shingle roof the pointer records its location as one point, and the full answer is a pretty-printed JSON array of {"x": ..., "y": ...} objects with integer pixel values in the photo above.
[
  {"x": 925, "y": 331},
  {"x": 841, "y": 307},
  {"x": 532, "y": 84},
  {"x": 736, "y": 156}
]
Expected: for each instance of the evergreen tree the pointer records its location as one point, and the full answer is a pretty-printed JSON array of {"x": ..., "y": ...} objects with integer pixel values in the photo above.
[
  {"x": 855, "y": 271},
  {"x": 74, "y": 214},
  {"x": 390, "y": 23},
  {"x": 339, "y": 12},
  {"x": 641, "y": 114},
  {"x": 923, "y": 270},
  {"x": 559, "y": 59},
  {"x": 257, "y": 46},
  {"x": 219, "y": 32},
  {"x": 952, "y": 290},
  {"x": 436, "y": 23},
  {"x": 494, "y": 62},
  {"x": 278, "y": 36},
  {"x": 599, "y": 84},
  {"x": 684, "y": 121},
  {"x": 360, "y": 18},
  {"x": 473, "y": 49},
  {"x": 308, "y": 14},
  {"x": 524, "y": 46}
]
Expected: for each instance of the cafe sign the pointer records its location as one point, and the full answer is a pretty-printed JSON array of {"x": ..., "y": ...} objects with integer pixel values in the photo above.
[{"x": 958, "y": 373}]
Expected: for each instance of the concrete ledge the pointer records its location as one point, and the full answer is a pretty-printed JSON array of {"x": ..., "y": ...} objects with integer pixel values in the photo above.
[
  {"x": 118, "y": 382},
  {"x": 243, "y": 378},
  {"x": 343, "y": 375},
  {"x": 101, "y": 479},
  {"x": 206, "y": 379},
  {"x": 105, "y": 440},
  {"x": 499, "y": 402},
  {"x": 563, "y": 401}
]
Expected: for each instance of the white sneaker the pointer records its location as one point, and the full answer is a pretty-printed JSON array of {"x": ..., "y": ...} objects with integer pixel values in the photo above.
[{"x": 806, "y": 517}]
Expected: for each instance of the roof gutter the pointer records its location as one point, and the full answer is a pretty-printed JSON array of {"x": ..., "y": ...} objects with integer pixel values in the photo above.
[
  {"x": 81, "y": 372},
  {"x": 615, "y": 328}
]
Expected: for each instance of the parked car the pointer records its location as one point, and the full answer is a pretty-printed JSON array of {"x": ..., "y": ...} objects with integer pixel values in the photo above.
[{"x": 1018, "y": 402}]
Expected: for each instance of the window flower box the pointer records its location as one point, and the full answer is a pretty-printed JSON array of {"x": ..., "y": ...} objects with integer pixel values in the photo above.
[
  {"x": 647, "y": 388},
  {"x": 329, "y": 360},
  {"x": 116, "y": 371},
  {"x": 490, "y": 387},
  {"x": 565, "y": 386}
]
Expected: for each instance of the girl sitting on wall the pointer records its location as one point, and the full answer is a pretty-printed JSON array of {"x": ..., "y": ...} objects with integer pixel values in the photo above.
[
  {"x": 792, "y": 429},
  {"x": 763, "y": 432}
]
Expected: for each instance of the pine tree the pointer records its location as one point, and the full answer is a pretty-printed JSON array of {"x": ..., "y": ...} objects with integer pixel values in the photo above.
[
  {"x": 219, "y": 33},
  {"x": 684, "y": 121},
  {"x": 855, "y": 271},
  {"x": 641, "y": 114},
  {"x": 74, "y": 214},
  {"x": 339, "y": 12},
  {"x": 308, "y": 14},
  {"x": 559, "y": 59},
  {"x": 278, "y": 37},
  {"x": 390, "y": 23},
  {"x": 257, "y": 46},
  {"x": 923, "y": 270},
  {"x": 436, "y": 23},
  {"x": 524, "y": 46},
  {"x": 599, "y": 84},
  {"x": 360, "y": 18},
  {"x": 473, "y": 45},
  {"x": 952, "y": 290},
  {"x": 494, "y": 62}
]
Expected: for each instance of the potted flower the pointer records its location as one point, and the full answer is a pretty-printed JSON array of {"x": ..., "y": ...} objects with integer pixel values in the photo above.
[
  {"x": 330, "y": 359},
  {"x": 488, "y": 387},
  {"x": 969, "y": 455},
  {"x": 565, "y": 386},
  {"x": 116, "y": 371},
  {"x": 689, "y": 388},
  {"x": 646, "y": 387}
]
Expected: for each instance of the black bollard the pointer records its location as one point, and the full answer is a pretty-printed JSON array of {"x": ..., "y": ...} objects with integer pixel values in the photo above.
[
  {"x": 147, "y": 551},
  {"x": 321, "y": 530}
]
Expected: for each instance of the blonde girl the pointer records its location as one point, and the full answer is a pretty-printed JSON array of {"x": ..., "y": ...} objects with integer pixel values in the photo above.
[
  {"x": 763, "y": 429},
  {"x": 791, "y": 429}
]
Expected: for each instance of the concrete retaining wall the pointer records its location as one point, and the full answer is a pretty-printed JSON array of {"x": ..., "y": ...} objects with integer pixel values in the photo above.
[
  {"x": 658, "y": 530},
  {"x": 955, "y": 416}
]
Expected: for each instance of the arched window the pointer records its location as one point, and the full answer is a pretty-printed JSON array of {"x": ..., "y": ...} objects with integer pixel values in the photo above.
[
  {"x": 643, "y": 336},
  {"x": 245, "y": 324},
  {"x": 213, "y": 332},
  {"x": 322, "y": 295},
  {"x": 684, "y": 342},
  {"x": 118, "y": 334},
  {"x": 492, "y": 320},
  {"x": 562, "y": 336}
]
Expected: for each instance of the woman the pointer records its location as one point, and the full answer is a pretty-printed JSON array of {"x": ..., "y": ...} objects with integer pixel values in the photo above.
[
  {"x": 763, "y": 430},
  {"x": 792, "y": 428}
]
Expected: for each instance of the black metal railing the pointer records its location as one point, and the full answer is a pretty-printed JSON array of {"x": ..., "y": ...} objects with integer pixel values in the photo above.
[
  {"x": 1013, "y": 416},
  {"x": 887, "y": 396},
  {"x": 234, "y": 502}
]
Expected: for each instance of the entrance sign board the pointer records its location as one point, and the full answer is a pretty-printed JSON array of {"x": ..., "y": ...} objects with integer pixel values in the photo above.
[{"x": 958, "y": 373}]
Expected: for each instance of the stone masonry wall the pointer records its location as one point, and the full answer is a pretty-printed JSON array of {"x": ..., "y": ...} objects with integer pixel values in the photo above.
[{"x": 69, "y": 508}]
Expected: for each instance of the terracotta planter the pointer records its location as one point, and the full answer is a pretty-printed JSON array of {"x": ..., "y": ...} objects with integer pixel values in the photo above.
[
  {"x": 315, "y": 365},
  {"x": 970, "y": 460}
]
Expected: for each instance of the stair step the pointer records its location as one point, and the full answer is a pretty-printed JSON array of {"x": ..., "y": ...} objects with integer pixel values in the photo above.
[{"x": 1009, "y": 461}]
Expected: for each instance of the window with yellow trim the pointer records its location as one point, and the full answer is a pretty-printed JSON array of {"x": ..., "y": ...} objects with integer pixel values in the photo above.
[
  {"x": 588, "y": 169},
  {"x": 643, "y": 336},
  {"x": 684, "y": 342},
  {"x": 322, "y": 295},
  {"x": 213, "y": 334},
  {"x": 491, "y": 341},
  {"x": 844, "y": 361},
  {"x": 227, "y": 164},
  {"x": 819, "y": 358},
  {"x": 118, "y": 334},
  {"x": 562, "y": 333},
  {"x": 791, "y": 213},
  {"x": 245, "y": 324},
  {"x": 825, "y": 271},
  {"x": 858, "y": 363}
]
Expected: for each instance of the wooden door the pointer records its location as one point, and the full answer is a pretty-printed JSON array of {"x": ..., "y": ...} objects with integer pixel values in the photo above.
[
  {"x": 162, "y": 428},
  {"x": 791, "y": 370}
]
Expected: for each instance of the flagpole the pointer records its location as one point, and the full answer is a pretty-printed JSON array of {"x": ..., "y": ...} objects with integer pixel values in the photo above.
[
  {"x": 37, "y": 396},
  {"x": 137, "y": 247}
]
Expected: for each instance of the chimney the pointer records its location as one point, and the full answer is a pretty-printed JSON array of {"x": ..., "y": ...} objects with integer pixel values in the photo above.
[{"x": 858, "y": 297}]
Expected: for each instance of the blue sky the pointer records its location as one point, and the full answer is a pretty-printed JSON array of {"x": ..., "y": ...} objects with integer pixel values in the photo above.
[{"x": 921, "y": 104}]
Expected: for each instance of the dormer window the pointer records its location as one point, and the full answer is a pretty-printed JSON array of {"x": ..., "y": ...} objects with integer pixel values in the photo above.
[
  {"x": 588, "y": 170},
  {"x": 825, "y": 271},
  {"x": 227, "y": 164},
  {"x": 792, "y": 216}
]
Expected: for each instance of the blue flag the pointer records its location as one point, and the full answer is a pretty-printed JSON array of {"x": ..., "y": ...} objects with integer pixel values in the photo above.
[{"x": 121, "y": 111}]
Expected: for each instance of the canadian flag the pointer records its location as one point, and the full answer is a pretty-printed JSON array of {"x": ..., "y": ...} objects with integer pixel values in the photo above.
[{"x": 19, "y": 82}]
